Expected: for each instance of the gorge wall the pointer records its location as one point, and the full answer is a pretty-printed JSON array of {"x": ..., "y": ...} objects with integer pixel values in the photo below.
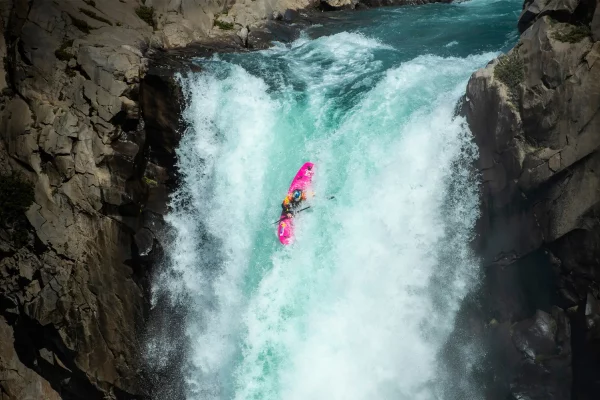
[
  {"x": 535, "y": 116},
  {"x": 73, "y": 287}
]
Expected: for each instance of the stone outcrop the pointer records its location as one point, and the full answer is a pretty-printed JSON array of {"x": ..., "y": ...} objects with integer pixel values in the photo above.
[
  {"x": 181, "y": 22},
  {"x": 535, "y": 116},
  {"x": 73, "y": 292}
]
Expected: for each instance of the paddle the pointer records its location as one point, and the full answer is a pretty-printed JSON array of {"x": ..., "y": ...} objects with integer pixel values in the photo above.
[{"x": 296, "y": 212}]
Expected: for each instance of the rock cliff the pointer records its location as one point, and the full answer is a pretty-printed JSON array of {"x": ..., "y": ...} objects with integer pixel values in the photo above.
[
  {"x": 73, "y": 272},
  {"x": 535, "y": 116}
]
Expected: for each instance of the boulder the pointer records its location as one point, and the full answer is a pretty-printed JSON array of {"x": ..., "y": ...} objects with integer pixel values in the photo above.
[
  {"x": 17, "y": 381},
  {"x": 557, "y": 9}
]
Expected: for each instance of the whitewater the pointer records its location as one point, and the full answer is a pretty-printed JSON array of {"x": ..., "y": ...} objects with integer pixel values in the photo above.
[{"x": 362, "y": 304}]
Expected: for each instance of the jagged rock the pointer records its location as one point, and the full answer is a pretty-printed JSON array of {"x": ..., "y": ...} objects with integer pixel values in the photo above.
[
  {"x": 545, "y": 342},
  {"x": 15, "y": 125},
  {"x": 338, "y": 4},
  {"x": 595, "y": 25},
  {"x": 243, "y": 35},
  {"x": 144, "y": 240},
  {"x": 538, "y": 232},
  {"x": 160, "y": 99},
  {"x": 65, "y": 165},
  {"x": 290, "y": 15},
  {"x": 3, "y": 83},
  {"x": 178, "y": 32},
  {"x": 558, "y": 9},
  {"x": 17, "y": 382}
]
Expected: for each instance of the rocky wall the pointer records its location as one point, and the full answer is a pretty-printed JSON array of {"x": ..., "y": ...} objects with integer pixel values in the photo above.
[{"x": 534, "y": 114}]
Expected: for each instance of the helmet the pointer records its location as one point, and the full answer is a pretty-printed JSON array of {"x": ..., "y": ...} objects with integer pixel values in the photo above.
[{"x": 297, "y": 195}]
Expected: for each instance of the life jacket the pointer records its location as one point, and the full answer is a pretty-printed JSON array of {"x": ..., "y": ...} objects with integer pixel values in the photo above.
[{"x": 292, "y": 201}]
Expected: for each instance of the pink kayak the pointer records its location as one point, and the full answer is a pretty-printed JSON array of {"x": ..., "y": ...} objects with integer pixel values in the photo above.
[{"x": 302, "y": 181}]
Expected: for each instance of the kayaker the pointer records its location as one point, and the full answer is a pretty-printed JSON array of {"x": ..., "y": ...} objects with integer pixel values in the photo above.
[{"x": 292, "y": 201}]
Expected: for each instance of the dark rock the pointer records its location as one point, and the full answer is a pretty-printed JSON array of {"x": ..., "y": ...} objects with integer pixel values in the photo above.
[
  {"x": 538, "y": 233},
  {"x": 290, "y": 15},
  {"x": 16, "y": 380},
  {"x": 144, "y": 241},
  {"x": 383, "y": 3},
  {"x": 161, "y": 101},
  {"x": 558, "y": 9},
  {"x": 272, "y": 31},
  {"x": 595, "y": 25}
]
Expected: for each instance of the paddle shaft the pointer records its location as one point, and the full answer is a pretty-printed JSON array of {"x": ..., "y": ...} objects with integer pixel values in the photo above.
[
  {"x": 303, "y": 209},
  {"x": 293, "y": 212}
]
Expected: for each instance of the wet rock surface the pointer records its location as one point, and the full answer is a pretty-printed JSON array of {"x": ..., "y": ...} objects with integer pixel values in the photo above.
[
  {"x": 73, "y": 291},
  {"x": 534, "y": 116}
]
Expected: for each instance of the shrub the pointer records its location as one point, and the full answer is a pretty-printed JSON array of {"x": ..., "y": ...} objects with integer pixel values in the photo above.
[
  {"x": 574, "y": 35},
  {"x": 149, "y": 182},
  {"x": 62, "y": 54},
  {"x": 146, "y": 14},
  {"x": 226, "y": 26},
  {"x": 510, "y": 71},
  {"x": 93, "y": 15}
]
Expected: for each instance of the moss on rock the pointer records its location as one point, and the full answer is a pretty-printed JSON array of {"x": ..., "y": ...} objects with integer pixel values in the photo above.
[
  {"x": 575, "y": 34},
  {"x": 146, "y": 14},
  {"x": 510, "y": 71},
  {"x": 226, "y": 26},
  {"x": 62, "y": 54}
]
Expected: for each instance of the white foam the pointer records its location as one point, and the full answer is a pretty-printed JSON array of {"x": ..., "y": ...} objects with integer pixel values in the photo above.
[{"x": 352, "y": 310}]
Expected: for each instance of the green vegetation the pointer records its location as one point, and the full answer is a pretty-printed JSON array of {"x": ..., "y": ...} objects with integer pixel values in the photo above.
[
  {"x": 80, "y": 24},
  {"x": 510, "y": 71},
  {"x": 93, "y": 15},
  {"x": 226, "y": 26},
  {"x": 146, "y": 14},
  {"x": 575, "y": 34},
  {"x": 149, "y": 182},
  {"x": 62, "y": 54},
  {"x": 70, "y": 72},
  {"x": 16, "y": 195}
]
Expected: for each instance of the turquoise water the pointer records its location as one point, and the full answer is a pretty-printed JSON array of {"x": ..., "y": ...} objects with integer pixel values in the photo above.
[{"x": 361, "y": 304}]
